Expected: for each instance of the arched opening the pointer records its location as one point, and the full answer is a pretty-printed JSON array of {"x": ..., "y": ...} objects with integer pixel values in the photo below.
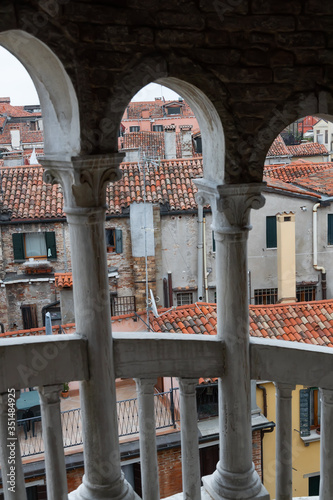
[{"x": 55, "y": 90}]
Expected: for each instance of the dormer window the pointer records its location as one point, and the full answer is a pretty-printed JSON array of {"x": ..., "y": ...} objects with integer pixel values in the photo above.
[{"x": 174, "y": 110}]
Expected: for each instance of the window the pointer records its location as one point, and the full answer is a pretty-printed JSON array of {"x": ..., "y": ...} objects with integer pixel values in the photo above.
[
  {"x": 114, "y": 240},
  {"x": 122, "y": 305},
  {"x": 157, "y": 128},
  {"x": 330, "y": 229},
  {"x": 305, "y": 293},
  {"x": 173, "y": 110},
  {"x": 184, "y": 298},
  {"x": 271, "y": 235},
  {"x": 326, "y": 136},
  {"x": 265, "y": 296},
  {"x": 214, "y": 244},
  {"x": 29, "y": 316},
  {"x": 309, "y": 401},
  {"x": 36, "y": 245},
  {"x": 134, "y": 129},
  {"x": 198, "y": 145}
]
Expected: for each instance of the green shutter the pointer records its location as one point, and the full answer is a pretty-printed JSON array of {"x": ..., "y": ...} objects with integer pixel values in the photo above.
[
  {"x": 330, "y": 229},
  {"x": 119, "y": 240},
  {"x": 51, "y": 245},
  {"x": 271, "y": 236},
  {"x": 18, "y": 246},
  {"x": 304, "y": 412}
]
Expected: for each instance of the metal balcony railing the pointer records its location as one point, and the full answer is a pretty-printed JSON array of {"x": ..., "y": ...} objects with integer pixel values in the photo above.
[
  {"x": 166, "y": 415},
  {"x": 30, "y": 362}
]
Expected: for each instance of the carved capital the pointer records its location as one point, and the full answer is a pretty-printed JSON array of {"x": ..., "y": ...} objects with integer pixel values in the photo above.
[
  {"x": 230, "y": 203},
  {"x": 83, "y": 179},
  {"x": 49, "y": 394}
]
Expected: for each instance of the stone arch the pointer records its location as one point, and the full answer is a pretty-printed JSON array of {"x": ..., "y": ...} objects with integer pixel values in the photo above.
[
  {"x": 154, "y": 70},
  {"x": 55, "y": 90},
  {"x": 296, "y": 106}
]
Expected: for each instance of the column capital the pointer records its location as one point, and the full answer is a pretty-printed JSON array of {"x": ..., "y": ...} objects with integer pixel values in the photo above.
[
  {"x": 230, "y": 203},
  {"x": 284, "y": 390},
  {"x": 145, "y": 385},
  {"x": 326, "y": 396},
  {"x": 49, "y": 394},
  {"x": 83, "y": 179},
  {"x": 187, "y": 385}
]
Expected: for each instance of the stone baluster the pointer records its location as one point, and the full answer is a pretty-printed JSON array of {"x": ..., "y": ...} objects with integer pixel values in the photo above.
[
  {"x": 147, "y": 426},
  {"x": 189, "y": 439},
  {"x": 284, "y": 441},
  {"x": 235, "y": 476},
  {"x": 10, "y": 453},
  {"x": 55, "y": 467},
  {"x": 84, "y": 181},
  {"x": 326, "y": 445}
]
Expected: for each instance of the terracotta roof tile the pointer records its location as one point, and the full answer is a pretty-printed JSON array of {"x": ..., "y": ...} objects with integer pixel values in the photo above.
[
  {"x": 278, "y": 148},
  {"x": 307, "y": 149},
  {"x": 63, "y": 280},
  {"x": 285, "y": 317}
]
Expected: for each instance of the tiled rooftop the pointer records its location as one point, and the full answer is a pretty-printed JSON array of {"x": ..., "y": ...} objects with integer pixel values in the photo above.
[
  {"x": 169, "y": 183},
  {"x": 26, "y": 195},
  {"x": 307, "y": 149},
  {"x": 305, "y": 322},
  {"x": 278, "y": 148}
]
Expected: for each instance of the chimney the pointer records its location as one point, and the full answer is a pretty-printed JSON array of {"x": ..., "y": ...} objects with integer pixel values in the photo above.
[
  {"x": 170, "y": 141},
  {"x": 286, "y": 257},
  {"x": 186, "y": 140},
  {"x": 15, "y": 138}
]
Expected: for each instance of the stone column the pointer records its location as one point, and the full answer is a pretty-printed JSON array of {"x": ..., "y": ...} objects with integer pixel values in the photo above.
[
  {"x": 148, "y": 452},
  {"x": 326, "y": 445},
  {"x": 55, "y": 467},
  {"x": 84, "y": 181},
  {"x": 189, "y": 439},
  {"x": 10, "y": 453},
  {"x": 283, "y": 442},
  {"x": 235, "y": 476}
]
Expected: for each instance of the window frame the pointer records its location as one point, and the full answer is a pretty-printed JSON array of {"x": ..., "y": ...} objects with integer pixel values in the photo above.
[
  {"x": 330, "y": 229},
  {"x": 181, "y": 295},
  {"x": 271, "y": 232},
  {"x": 19, "y": 246},
  {"x": 117, "y": 246},
  {"x": 134, "y": 128}
]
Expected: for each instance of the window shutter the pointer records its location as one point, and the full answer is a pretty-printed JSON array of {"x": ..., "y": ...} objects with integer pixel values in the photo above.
[
  {"x": 51, "y": 245},
  {"x": 304, "y": 411},
  {"x": 18, "y": 246},
  {"x": 330, "y": 229},
  {"x": 271, "y": 235},
  {"x": 119, "y": 240}
]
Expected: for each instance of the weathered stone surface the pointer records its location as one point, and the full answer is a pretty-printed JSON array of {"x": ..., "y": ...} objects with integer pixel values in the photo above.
[{"x": 274, "y": 7}]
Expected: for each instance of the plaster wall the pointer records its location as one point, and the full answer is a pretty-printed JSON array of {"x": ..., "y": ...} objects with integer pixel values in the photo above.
[
  {"x": 306, "y": 459},
  {"x": 262, "y": 261}
]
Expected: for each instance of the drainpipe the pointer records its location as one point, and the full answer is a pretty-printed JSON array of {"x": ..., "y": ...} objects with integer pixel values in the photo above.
[
  {"x": 205, "y": 259},
  {"x": 315, "y": 250},
  {"x": 200, "y": 253}
]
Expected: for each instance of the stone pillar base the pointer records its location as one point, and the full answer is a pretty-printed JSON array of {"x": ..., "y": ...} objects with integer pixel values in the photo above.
[
  {"x": 208, "y": 488},
  {"x": 99, "y": 493}
]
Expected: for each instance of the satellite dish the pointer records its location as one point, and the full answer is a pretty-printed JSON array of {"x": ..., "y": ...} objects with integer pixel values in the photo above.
[{"x": 153, "y": 304}]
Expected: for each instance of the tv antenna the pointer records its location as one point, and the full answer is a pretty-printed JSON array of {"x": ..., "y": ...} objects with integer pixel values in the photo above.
[{"x": 153, "y": 304}]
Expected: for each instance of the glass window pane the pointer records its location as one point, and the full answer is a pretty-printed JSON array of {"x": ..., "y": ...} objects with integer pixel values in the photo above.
[{"x": 35, "y": 245}]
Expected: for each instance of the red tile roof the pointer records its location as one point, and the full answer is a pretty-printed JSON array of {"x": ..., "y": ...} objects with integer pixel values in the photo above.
[
  {"x": 307, "y": 149},
  {"x": 278, "y": 148},
  {"x": 25, "y": 194},
  {"x": 69, "y": 328},
  {"x": 63, "y": 280},
  {"x": 313, "y": 177},
  {"x": 305, "y": 322},
  {"x": 169, "y": 183}
]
